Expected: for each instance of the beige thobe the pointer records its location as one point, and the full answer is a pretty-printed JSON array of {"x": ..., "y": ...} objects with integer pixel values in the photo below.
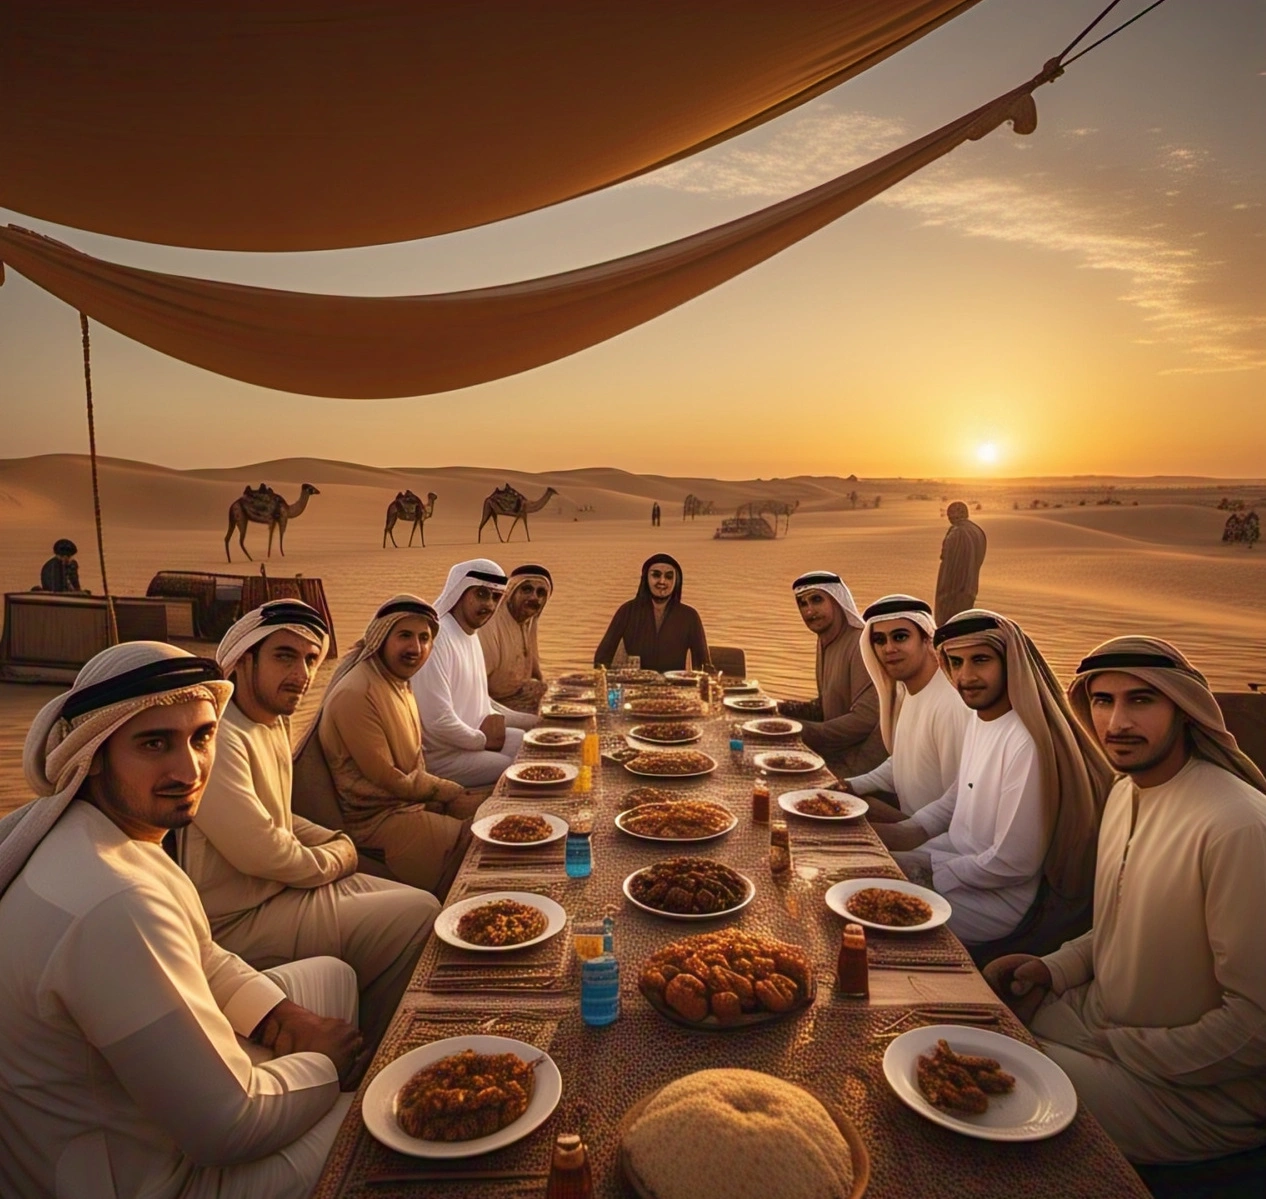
[
  {"x": 278, "y": 888},
  {"x": 371, "y": 737},
  {"x": 512, "y": 658},
  {"x": 121, "y": 1071},
  {"x": 1159, "y": 1015},
  {"x": 848, "y": 735},
  {"x": 958, "y": 580}
]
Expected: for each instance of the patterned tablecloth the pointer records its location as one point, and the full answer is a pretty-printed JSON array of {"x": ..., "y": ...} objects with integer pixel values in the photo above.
[{"x": 835, "y": 1047}]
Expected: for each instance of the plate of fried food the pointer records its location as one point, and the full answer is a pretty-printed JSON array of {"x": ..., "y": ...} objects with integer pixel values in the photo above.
[
  {"x": 520, "y": 828},
  {"x": 664, "y": 707},
  {"x": 684, "y": 677},
  {"x": 567, "y": 710},
  {"x": 582, "y": 694},
  {"x": 980, "y": 1083},
  {"x": 644, "y": 795},
  {"x": 670, "y": 763},
  {"x": 823, "y": 804},
  {"x": 786, "y": 761},
  {"x": 728, "y": 979},
  {"x": 629, "y": 675},
  {"x": 554, "y": 738},
  {"x": 461, "y": 1097},
  {"x": 777, "y": 726},
  {"x": 576, "y": 678},
  {"x": 542, "y": 774},
  {"x": 685, "y": 820},
  {"x": 750, "y": 703},
  {"x": 890, "y": 904},
  {"x": 499, "y": 921},
  {"x": 666, "y": 732},
  {"x": 689, "y": 889}
]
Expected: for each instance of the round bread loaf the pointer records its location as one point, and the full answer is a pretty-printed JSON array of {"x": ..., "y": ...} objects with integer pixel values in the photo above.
[{"x": 769, "y": 1137}]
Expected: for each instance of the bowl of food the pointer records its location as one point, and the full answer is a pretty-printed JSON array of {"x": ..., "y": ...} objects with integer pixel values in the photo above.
[
  {"x": 554, "y": 738},
  {"x": 750, "y": 703},
  {"x": 761, "y": 980},
  {"x": 785, "y": 761},
  {"x": 543, "y": 774},
  {"x": 890, "y": 904},
  {"x": 576, "y": 678},
  {"x": 500, "y": 921},
  {"x": 666, "y": 732},
  {"x": 689, "y": 889},
  {"x": 772, "y": 726},
  {"x": 644, "y": 795},
  {"x": 664, "y": 707},
  {"x": 461, "y": 1097},
  {"x": 687, "y": 820},
  {"x": 822, "y": 804},
  {"x": 514, "y": 829},
  {"x": 670, "y": 763},
  {"x": 567, "y": 710}
]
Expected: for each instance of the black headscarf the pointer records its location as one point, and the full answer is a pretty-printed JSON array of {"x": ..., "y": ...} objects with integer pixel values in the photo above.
[{"x": 644, "y": 587}]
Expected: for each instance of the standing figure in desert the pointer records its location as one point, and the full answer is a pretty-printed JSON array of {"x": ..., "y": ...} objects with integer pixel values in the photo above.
[
  {"x": 408, "y": 506},
  {"x": 506, "y": 501},
  {"x": 265, "y": 507},
  {"x": 962, "y": 555}
]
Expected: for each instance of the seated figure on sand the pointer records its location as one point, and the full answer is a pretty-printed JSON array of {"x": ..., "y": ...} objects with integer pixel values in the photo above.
[
  {"x": 61, "y": 572},
  {"x": 468, "y": 736},
  {"x": 371, "y": 736},
  {"x": 275, "y": 886},
  {"x": 138, "y": 1057},
  {"x": 512, "y": 655},
  {"x": 1158, "y": 1013},
  {"x": 921, "y": 716},
  {"x": 1016, "y": 833},
  {"x": 655, "y": 626},
  {"x": 842, "y": 724}
]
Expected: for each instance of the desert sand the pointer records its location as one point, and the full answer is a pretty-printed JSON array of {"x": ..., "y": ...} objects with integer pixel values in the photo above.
[{"x": 1071, "y": 575}]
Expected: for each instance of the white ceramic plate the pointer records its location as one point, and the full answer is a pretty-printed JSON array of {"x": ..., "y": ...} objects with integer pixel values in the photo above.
[
  {"x": 750, "y": 703},
  {"x": 683, "y": 676},
  {"x": 446, "y": 921},
  {"x": 856, "y": 805},
  {"x": 567, "y": 710},
  {"x": 811, "y": 761},
  {"x": 1042, "y": 1104},
  {"x": 638, "y": 733},
  {"x": 750, "y": 727},
  {"x": 619, "y": 823},
  {"x": 569, "y": 769},
  {"x": 574, "y": 737},
  {"x": 630, "y": 708},
  {"x": 837, "y": 900},
  {"x": 738, "y": 907},
  {"x": 379, "y": 1105},
  {"x": 646, "y": 774},
  {"x": 483, "y": 829}
]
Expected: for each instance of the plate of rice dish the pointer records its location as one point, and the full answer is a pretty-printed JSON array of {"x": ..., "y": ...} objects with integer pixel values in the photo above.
[
  {"x": 554, "y": 738},
  {"x": 664, "y": 707},
  {"x": 500, "y": 921},
  {"x": 788, "y": 761},
  {"x": 634, "y": 676},
  {"x": 750, "y": 703},
  {"x": 519, "y": 828},
  {"x": 684, "y": 677},
  {"x": 822, "y": 804},
  {"x": 689, "y": 889},
  {"x": 543, "y": 774},
  {"x": 461, "y": 1097},
  {"x": 889, "y": 904},
  {"x": 566, "y": 710},
  {"x": 666, "y": 732},
  {"x": 775, "y": 726},
  {"x": 643, "y": 795},
  {"x": 687, "y": 820},
  {"x": 576, "y": 678},
  {"x": 670, "y": 763}
]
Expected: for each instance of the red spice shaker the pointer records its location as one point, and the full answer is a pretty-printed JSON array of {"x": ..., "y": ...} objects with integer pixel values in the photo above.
[
  {"x": 760, "y": 800},
  {"x": 570, "y": 1176},
  {"x": 852, "y": 973}
]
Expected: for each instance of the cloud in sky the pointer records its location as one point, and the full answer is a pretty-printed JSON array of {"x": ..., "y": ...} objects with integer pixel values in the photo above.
[{"x": 1174, "y": 279}]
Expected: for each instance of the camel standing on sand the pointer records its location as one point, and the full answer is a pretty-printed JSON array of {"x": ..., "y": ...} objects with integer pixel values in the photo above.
[
  {"x": 407, "y": 506},
  {"x": 264, "y": 507},
  {"x": 780, "y": 508},
  {"x": 506, "y": 501}
]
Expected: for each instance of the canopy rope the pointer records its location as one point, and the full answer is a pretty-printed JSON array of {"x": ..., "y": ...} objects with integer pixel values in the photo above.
[
  {"x": 1064, "y": 60},
  {"x": 112, "y": 622}
]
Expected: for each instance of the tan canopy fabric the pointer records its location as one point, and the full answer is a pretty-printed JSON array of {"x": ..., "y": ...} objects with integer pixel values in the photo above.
[
  {"x": 371, "y": 347},
  {"x": 271, "y": 125}
]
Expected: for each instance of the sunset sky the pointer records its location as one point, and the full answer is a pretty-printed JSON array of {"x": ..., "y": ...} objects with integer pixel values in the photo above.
[{"x": 1091, "y": 298}]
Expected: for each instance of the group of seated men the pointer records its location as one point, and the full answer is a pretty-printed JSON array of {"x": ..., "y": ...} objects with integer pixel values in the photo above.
[{"x": 193, "y": 975}]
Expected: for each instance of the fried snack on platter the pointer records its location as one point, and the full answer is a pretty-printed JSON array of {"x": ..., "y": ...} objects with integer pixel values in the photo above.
[
  {"x": 665, "y": 705},
  {"x": 501, "y": 922},
  {"x": 727, "y": 974},
  {"x": 773, "y": 728},
  {"x": 465, "y": 1096},
  {"x": 541, "y": 773},
  {"x": 960, "y": 1083},
  {"x": 685, "y": 818},
  {"x": 557, "y": 737},
  {"x": 689, "y": 886},
  {"x": 578, "y": 678},
  {"x": 635, "y": 676},
  {"x": 669, "y": 762},
  {"x": 880, "y": 905},
  {"x": 822, "y": 804},
  {"x": 787, "y": 762},
  {"x": 666, "y": 731},
  {"x": 567, "y": 709},
  {"x": 521, "y": 829}
]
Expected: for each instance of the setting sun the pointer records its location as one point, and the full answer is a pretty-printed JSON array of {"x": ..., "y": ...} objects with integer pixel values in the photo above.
[{"x": 987, "y": 453}]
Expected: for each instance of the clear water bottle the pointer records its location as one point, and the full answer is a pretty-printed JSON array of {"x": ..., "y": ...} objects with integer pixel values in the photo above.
[
  {"x": 600, "y": 990},
  {"x": 736, "y": 747},
  {"x": 608, "y": 933},
  {"x": 578, "y": 857}
]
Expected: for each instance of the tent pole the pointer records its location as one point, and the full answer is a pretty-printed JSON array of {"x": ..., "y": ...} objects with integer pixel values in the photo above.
[{"x": 111, "y": 619}]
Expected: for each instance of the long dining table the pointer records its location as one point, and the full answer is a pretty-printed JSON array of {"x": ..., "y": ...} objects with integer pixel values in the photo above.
[{"x": 834, "y": 1048}]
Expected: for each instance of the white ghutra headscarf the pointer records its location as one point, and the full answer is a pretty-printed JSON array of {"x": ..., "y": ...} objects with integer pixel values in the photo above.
[
  {"x": 891, "y": 607},
  {"x": 478, "y": 572},
  {"x": 835, "y": 587}
]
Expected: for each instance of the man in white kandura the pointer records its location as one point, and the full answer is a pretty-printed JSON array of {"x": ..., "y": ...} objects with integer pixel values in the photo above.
[
  {"x": 1031, "y": 785},
  {"x": 125, "y": 1067},
  {"x": 468, "y": 737},
  {"x": 277, "y": 887},
  {"x": 1158, "y": 1014},
  {"x": 922, "y": 717}
]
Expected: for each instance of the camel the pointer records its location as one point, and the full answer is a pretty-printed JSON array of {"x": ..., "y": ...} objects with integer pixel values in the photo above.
[
  {"x": 264, "y": 507},
  {"x": 779, "y": 508},
  {"x": 506, "y": 501},
  {"x": 407, "y": 506}
]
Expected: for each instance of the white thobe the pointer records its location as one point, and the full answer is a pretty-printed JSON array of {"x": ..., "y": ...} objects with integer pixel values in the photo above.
[
  {"x": 121, "y": 1073},
  {"x": 988, "y": 839},
  {"x": 927, "y": 744},
  {"x": 1160, "y": 1010},
  {"x": 453, "y": 701}
]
